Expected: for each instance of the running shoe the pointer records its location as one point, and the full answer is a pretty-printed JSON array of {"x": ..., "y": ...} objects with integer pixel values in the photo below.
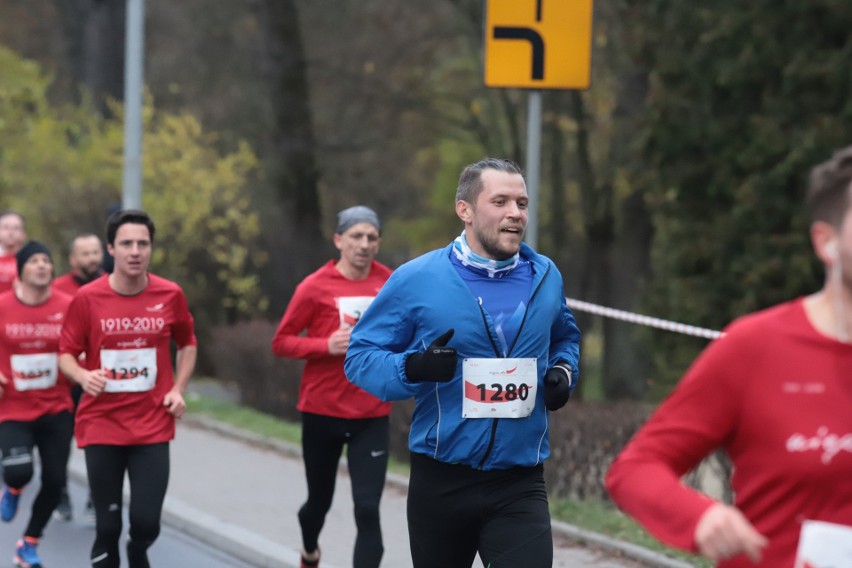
[
  {"x": 9, "y": 504},
  {"x": 309, "y": 563},
  {"x": 63, "y": 511},
  {"x": 26, "y": 555}
]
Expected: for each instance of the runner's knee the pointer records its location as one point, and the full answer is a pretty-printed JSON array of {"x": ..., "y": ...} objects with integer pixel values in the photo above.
[
  {"x": 18, "y": 467},
  {"x": 366, "y": 514},
  {"x": 144, "y": 528},
  {"x": 108, "y": 527}
]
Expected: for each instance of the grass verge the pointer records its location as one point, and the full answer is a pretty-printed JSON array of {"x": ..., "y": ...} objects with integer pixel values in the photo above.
[
  {"x": 605, "y": 519},
  {"x": 590, "y": 515}
]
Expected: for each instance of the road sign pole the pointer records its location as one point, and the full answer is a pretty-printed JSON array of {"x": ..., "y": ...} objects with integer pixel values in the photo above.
[
  {"x": 533, "y": 168},
  {"x": 132, "y": 173}
]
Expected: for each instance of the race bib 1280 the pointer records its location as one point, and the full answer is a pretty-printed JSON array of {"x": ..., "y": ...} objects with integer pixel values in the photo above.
[{"x": 499, "y": 388}]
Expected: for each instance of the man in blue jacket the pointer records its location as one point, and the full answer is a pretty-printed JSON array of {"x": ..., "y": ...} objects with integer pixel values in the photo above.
[{"x": 480, "y": 335}]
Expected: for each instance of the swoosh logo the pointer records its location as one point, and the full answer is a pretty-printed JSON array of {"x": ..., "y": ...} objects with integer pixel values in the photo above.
[
  {"x": 155, "y": 308},
  {"x": 350, "y": 320},
  {"x": 378, "y": 453},
  {"x": 472, "y": 392},
  {"x": 55, "y": 317}
]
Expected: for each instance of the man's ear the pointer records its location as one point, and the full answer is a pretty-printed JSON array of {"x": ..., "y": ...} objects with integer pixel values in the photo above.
[
  {"x": 825, "y": 243},
  {"x": 463, "y": 209}
]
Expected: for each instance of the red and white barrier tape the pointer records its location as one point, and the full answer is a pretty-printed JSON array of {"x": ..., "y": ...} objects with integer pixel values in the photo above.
[{"x": 642, "y": 320}]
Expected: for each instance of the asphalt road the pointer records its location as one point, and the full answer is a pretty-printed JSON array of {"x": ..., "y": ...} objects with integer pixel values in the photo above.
[{"x": 67, "y": 544}]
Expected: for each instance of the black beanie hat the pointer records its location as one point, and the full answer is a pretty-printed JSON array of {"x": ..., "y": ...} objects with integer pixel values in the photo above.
[{"x": 29, "y": 249}]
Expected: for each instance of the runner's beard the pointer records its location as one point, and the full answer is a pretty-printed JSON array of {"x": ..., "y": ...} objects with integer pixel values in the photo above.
[{"x": 89, "y": 275}]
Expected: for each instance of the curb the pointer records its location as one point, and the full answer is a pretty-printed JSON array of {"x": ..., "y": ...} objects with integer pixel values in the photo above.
[
  {"x": 226, "y": 537},
  {"x": 634, "y": 552},
  {"x": 212, "y": 531}
]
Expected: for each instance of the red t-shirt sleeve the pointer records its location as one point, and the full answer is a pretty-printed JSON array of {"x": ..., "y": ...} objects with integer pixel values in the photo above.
[
  {"x": 73, "y": 337},
  {"x": 698, "y": 417},
  {"x": 183, "y": 330},
  {"x": 288, "y": 341}
]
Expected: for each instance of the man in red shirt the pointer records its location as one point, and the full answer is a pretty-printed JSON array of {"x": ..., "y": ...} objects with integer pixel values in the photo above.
[
  {"x": 35, "y": 399},
  {"x": 775, "y": 393},
  {"x": 327, "y": 304},
  {"x": 124, "y": 322},
  {"x": 86, "y": 260},
  {"x": 12, "y": 237}
]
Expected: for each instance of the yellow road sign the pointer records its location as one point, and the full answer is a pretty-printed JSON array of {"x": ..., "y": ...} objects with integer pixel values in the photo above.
[{"x": 538, "y": 44}]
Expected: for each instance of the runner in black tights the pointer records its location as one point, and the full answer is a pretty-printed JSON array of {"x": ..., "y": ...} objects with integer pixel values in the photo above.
[
  {"x": 35, "y": 399},
  {"x": 336, "y": 413}
]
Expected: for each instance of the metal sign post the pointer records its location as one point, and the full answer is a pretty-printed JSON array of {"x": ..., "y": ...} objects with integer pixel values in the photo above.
[
  {"x": 133, "y": 66},
  {"x": 533, "y": 165}
]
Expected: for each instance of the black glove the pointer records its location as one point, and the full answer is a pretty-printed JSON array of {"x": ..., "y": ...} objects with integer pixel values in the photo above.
[
  {"x": 557, "y": 386},
  {"x": 437, "y": 364}
]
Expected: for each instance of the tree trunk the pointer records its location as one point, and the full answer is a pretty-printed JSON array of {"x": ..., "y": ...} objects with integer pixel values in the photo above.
[
  {"x": 289, "y": 155},
  {"x": 626, "y": 367},
  {"x": 95, "y": 36},
  {"x": 597, "y": 219}
]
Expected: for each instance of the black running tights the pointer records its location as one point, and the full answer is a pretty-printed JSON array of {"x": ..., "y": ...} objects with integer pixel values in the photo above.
[
  {"x": 51, "y": 434},
  {"x": 323, "y": 438},
  {"x": 147, "y": 468},
  {"x": 455, "y": 511}
]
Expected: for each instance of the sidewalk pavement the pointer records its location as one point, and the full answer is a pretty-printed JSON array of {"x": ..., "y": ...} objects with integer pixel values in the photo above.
[{"x": 239, "y": 492}]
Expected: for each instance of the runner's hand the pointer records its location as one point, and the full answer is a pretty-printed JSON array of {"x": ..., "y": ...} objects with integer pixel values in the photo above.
[
  {"x": 93, "y": 382},
  {"x": 338, "y": 341},
  {"x": 175, "y": 403},
  {"x": 723, "y": 532},
  {"x": 557, "y": 386},
  {"x": 437, "y": 364},
  {"x": 3, "y": 382}
]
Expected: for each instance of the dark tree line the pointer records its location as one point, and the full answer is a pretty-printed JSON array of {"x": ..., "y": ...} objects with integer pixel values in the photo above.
[{"x": 673, "y": 186}]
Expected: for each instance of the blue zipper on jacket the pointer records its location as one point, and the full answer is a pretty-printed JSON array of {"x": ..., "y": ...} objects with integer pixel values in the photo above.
[{"x": 497, "y": 354}]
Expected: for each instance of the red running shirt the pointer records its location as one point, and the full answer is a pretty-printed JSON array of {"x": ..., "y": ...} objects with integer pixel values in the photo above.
[
  {"x": 8, "y": 271},
  {"x": 66, "y": 283},
  {"x": 129, "y": 337},
  {"x": 777, "y": 396},
  {"x": 29, "y": 351},
  {"x": 321, "y": 304}
]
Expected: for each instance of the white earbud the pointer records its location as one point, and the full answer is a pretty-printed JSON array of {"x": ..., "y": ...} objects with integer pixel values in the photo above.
[{"x": 831, "y": 250}]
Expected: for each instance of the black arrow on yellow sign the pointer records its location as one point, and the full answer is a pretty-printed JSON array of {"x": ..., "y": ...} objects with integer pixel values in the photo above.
[{"x": 536, "y": 42}]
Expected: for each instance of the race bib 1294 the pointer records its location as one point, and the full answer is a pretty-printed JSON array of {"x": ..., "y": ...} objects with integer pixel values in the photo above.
[{"x": 129, "y": 370}]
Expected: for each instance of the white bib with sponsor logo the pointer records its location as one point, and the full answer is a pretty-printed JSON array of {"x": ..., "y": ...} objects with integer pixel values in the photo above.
[
  {"x": 35, "y": 371},
  {"x": 499, "y": 388},
  {"x": 129, "y": 370},
  {"x": 824, "y": 544},
  {"x": 351, "y": 309}
]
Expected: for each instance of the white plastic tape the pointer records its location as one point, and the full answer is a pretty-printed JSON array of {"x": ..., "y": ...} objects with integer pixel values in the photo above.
[{"x": 642, "y": 320}]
